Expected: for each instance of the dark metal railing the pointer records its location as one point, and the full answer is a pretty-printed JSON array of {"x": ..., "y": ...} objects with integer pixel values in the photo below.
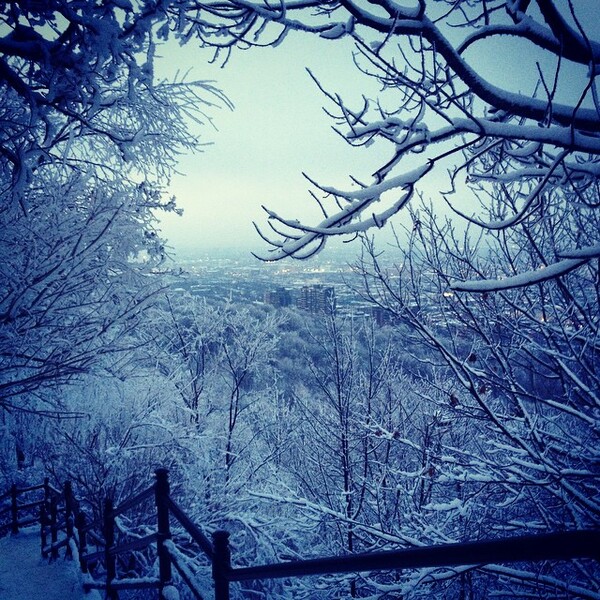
[{"x": 59, "y": 511}]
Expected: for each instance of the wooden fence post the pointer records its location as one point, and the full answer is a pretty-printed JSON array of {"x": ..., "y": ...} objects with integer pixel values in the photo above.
[
  {"x": 68, "y": 493},
  {"x": 53, "y": 526},
  {"x": 45, "y": 517},
  {"x": 80, "y": 524},
  {"x": 221, "y": 564},
  {"x": 47, "y": 491},
  {"x": 162, "y": 491},
  {"x": 110, "y": 559},
  {"x": 14, "y": 509},
  {"x": 43, "y": 530}
]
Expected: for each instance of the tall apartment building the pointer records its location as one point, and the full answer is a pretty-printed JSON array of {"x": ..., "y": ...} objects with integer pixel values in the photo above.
[
  {"x": 278, "y": 297},
  {"x": 316, "y": 299}
]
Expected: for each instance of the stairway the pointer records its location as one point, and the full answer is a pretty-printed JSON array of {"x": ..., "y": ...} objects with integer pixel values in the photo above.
[{"x": 25, "y": 575}]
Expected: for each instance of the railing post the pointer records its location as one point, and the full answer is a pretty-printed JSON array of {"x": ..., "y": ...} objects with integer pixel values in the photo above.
[
  {"x": 110, "y": 559},
  {"x": 54, "y": 525},
  {"x": 80, "y": 524},
  {"x": 221, "y": 564},
  {"x": 14, "y": 509},
  {"x": 43, "y": 530},
  {"x": 68, "y": 493},
  {"x": 46, "y": 491},
  {"x": 162, "y": 491}
]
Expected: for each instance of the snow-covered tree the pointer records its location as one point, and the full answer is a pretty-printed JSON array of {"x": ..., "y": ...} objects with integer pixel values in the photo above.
[
  {"x": 69, "y": 64},
  {"x": 501, "y": 93},
  {"x": 184, "y": 334},
  {"x": 247, "y": 345},
  {"x": 521, "y": 372},
  {"x": 331, "y": 447},
  {"x": 220, "y": 358},
  {"x": 128, "y": 429},
  {"x": 70, "y": 292},
  {"x": 366, "y": 451},
  {"x": 88, "y": 141}
]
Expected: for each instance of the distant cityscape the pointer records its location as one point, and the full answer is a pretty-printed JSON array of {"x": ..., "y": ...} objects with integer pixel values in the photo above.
[{"x": 314, "y": 286}]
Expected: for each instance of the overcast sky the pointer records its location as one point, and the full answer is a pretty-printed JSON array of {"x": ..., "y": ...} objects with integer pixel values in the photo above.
[{"x": 278, "y": 130}]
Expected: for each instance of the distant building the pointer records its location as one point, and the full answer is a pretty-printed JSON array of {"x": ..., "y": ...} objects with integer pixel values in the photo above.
[
  {"x": 279, "y": 297},
  {"x": 316, "y": 299},
  {"x": 382, "y": 316}
]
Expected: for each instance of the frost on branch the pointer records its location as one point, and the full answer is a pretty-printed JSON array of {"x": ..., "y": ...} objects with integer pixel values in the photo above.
[
  {"x": 85, "y": 70},
  {"x": 521, "y": 364},
  {"x": 72, "y": 289},
  {"x": 494, "y": 137},
  {"x": 309, "y": 240},
  {"x": 540, "y": 275},
  {"x": 88, "y": 143}
]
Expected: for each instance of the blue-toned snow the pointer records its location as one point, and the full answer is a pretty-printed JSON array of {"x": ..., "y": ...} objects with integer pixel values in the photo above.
[{"x": 25, "y": 575}]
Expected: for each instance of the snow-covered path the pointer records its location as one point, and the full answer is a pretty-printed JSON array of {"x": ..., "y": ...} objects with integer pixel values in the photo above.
[{"x": 24, "y": 575}]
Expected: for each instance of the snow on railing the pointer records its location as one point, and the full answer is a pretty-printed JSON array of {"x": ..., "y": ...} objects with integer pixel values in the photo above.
[{"x": 59, "y": 511}]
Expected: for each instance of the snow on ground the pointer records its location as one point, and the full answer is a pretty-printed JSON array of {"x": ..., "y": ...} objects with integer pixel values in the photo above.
[{"x": 25, "y": 575}]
